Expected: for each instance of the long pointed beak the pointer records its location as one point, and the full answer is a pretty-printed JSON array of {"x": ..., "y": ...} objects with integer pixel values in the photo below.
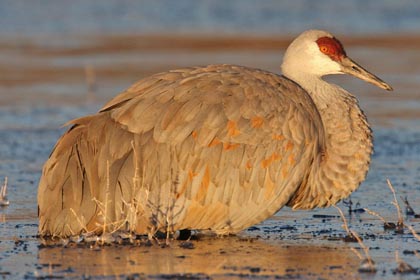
[{"x": 348, "y": 66}]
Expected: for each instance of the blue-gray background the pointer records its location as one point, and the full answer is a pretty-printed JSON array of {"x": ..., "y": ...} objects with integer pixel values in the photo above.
[{"x": 208, "y": 16}]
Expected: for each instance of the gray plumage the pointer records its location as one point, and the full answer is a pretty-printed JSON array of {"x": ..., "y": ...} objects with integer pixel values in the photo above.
[{"x": 216, "y": 148}]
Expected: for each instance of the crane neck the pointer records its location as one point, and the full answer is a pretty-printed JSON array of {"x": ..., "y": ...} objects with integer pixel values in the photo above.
[
  {"x": 343, "y": 164},
  {"x": 316, "y": 87}
]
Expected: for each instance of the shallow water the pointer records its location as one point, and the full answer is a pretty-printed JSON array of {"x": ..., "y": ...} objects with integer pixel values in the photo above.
[
  {"x": 43, "y": 86},
  {"x": 245, "y": 16}
]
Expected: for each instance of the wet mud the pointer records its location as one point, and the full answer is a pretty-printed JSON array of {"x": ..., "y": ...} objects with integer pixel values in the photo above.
[{"x": 46, "y": 81}]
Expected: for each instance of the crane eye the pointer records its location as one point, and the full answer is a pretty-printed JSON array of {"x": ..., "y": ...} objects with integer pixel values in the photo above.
[{"x": 324, "y": 49}]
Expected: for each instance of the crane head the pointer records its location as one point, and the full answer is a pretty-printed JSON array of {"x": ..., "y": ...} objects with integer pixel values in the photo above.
[{"x": 319, "y": 53}]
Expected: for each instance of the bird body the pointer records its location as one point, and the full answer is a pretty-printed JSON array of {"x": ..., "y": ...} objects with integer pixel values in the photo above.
[{"x": 215, "y": 148}]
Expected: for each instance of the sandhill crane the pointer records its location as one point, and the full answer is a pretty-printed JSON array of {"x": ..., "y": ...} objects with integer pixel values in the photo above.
[{"x": 218, "y": 148}]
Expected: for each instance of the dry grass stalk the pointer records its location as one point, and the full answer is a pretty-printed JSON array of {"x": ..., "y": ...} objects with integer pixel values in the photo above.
[
  {"x": 168, "y": 230},
  {"x": 359, "y": 240},
  {"x": 138, "y": 185},
  {"x": 171, "y": 203},
  {"x": 397, "y": 257},
  {"x": 395, "y": 203},
  {"x": 103, "y": 207},
  {"x": 357, "y": 253},
  {"x": 136, "y": 176},
  {"x": 373, "y": 213},
  {"x": 4, "y": 187},
  {"x": 136, "y": 206},
  {"x": 107, "y": 225},
  {"x": 368, "y": 265},
  {"x": 106, "y": 197},
  {"x": 345, "y": 224},
  {"x": 82, "y": 224},
  {"x": 413, "y": 232},
  {"x": 133, "y": 205},
  {"x": 3, "y": 194}
]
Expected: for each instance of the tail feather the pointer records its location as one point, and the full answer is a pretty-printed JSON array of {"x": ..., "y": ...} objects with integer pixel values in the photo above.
[{"x": 76, "y": 189}]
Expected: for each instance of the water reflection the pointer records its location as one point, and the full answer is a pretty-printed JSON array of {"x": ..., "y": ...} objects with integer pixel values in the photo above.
[
  {"x": 2, "y": 217},
  {"x": 231, "y": 255}
]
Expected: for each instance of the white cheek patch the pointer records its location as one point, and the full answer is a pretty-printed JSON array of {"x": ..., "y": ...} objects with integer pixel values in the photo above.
[{"x": 322, "y": 61}]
